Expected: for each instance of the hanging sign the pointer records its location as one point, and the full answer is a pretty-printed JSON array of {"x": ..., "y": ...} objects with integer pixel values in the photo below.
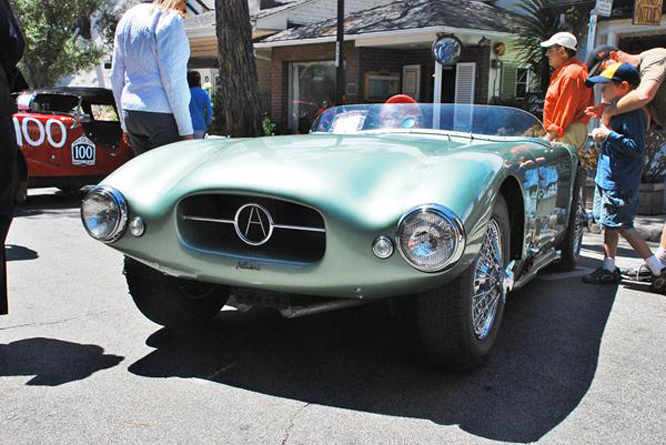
[
  {"x": 647, "y": 12},
  {"x": 604, "y": 8},
  {"x": 447, "y": 49}
]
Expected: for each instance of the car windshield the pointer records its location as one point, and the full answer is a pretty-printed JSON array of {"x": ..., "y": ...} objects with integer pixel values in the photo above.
[{"x": 449, "y": 118}]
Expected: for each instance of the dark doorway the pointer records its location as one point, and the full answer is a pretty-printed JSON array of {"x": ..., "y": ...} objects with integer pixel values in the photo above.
[
  {"x": 448, "y": 84},
  {"x": 635, "y": 45}
]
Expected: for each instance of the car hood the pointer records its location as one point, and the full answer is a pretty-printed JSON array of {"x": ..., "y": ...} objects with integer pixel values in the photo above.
[{"x": 364, "y": 176}]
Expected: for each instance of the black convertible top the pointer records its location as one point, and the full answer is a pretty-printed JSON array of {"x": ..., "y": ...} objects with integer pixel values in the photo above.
[{"x": 97, "y": 95}]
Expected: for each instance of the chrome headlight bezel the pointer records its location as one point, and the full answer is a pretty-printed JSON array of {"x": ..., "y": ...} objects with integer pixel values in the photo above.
[
  {"x": 451, "y": 219},
  {"x": 121, "y": 207}
]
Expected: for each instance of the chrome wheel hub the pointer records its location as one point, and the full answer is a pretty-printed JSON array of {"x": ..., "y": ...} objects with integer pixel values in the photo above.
[{"x": 488, "y": 281}]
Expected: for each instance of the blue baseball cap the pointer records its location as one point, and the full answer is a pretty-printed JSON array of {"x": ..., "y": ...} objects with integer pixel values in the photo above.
[{"x": 617, "y": 72}]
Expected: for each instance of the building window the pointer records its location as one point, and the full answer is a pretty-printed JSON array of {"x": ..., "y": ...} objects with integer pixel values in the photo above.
[
  {"x": 522, "y": 82},
  {"x": 379, "y": 86},
  {"x": 311, "y": 90},
  {"x": 514, "y": 82}
]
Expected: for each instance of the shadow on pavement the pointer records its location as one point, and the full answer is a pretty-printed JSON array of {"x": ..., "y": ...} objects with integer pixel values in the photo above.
[
  {"x": 621, "y": 251},
  {"x": 19, "y": 253},
  {"x": 542, "y": 367},
  {"x": 51, "y": 203},
  {"x": 53, "y": 362}
]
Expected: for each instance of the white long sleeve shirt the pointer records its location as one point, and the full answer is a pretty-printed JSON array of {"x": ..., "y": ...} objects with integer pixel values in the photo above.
[{"x": 149, "y": 68}]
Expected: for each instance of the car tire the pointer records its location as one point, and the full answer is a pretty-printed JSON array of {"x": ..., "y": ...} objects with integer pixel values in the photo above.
[
  {"x": 170, "y": 301},
  {"x": 573, "y": 239},
  {"x": 446, "y": 318}
]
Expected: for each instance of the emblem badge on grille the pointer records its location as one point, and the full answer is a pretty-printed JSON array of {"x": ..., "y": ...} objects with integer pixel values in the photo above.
[{"x": 253, "y": 224}]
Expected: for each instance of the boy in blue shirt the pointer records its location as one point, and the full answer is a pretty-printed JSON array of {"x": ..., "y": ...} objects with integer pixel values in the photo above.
[
  {"x": 200, "y": 106},
  {"x": 619, "y": 173}
]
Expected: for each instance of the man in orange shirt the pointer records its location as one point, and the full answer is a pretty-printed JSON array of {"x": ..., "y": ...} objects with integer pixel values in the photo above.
[{"x": 567, "y": 97}]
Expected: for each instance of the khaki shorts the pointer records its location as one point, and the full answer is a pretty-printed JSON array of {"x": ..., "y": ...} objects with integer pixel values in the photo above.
[{"x": 576, "y": 135}]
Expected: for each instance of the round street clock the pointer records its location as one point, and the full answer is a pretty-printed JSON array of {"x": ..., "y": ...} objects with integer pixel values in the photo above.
[{"x": 447, "y": 49}]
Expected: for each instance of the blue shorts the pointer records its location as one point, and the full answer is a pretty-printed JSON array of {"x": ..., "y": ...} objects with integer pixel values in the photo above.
[{"x": 615, "y": 209}]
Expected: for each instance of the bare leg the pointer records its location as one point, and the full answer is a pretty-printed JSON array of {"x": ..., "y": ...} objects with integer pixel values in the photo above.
[
  {"x": 637, "y": 242},
  {"x": 663, "y": 238},
  {"x": 611, "y": 238}
]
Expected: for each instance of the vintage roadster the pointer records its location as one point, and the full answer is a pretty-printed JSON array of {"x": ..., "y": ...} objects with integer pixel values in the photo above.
[
  {"x": 68, "y": 138},
  {"x": 452, "y": 206}
]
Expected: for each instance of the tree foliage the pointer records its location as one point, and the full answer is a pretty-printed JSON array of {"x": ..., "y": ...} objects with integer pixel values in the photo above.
[
  {"x": 240, "y": 97},
  {"x": 540, "y": 20},
  {"x": 54, "y": 48}
]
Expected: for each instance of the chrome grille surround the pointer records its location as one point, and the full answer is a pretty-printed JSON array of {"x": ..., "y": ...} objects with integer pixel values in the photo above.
[{"x": 252, "y": 227}]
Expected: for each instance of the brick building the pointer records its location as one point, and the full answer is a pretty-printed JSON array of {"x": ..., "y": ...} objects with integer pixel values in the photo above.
[{"x": 388, "y": 51}]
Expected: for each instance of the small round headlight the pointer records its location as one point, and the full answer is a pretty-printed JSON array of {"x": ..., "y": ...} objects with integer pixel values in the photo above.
[
  {"x": 382, "y": 247},
  {"x": 104, "y": 213},
  {"x": 430, "y": 237},
  {"x": 137, "y": 226}
]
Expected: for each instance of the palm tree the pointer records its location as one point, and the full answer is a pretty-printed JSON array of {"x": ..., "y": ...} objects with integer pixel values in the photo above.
[{"x": 540, "y": 20}]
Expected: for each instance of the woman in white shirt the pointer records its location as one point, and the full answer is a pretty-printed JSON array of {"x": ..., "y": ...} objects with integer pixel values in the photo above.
[{"x": 149, "y": 74}]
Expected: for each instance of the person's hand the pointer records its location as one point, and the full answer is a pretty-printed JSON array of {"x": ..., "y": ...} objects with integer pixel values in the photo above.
[
  {"x": 596, "y": 110},
  {"x": 610, "y": 110},
  {"x": 551, "y": 136},
  {"x": 600, "y": 134},
  {"x": 125, "y": 138},
  {"x": 187, "y": 137}
]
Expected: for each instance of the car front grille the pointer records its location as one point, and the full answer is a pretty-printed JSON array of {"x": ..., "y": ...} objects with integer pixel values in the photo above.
[{"x": 254, "y": 227}]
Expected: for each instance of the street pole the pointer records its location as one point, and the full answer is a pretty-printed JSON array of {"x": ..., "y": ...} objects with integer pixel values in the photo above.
[
  {"x": 592, "y": 31},
  {"x": 340, "y": 56},
  {"x": 591, "y": 37}
]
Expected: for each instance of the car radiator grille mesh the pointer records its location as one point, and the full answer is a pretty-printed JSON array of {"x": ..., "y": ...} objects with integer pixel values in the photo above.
[{"x": 252, "y": 227}]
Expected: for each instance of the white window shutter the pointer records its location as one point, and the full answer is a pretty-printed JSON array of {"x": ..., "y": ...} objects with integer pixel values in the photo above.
[
  {"x": 509, "y": 79},
  {"x": 465, "y": 84}
]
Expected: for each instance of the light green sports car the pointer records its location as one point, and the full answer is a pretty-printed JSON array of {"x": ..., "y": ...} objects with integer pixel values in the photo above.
[{"x": 449, "y": 206}]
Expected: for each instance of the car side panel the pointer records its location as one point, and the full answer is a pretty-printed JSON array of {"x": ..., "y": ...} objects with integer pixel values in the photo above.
[
  {"x": 53, "y": 149},
  {"x": 556, "y": 174}
]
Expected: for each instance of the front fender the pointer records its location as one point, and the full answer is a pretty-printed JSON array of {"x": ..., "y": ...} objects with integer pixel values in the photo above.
[{"x": 468, "y": 184}]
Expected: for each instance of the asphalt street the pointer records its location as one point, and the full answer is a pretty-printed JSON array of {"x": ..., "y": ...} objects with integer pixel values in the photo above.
[{"x": 574, "y": 364}]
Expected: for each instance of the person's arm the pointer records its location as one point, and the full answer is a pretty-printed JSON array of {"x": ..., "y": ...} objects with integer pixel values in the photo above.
[
  {"x": 173, "y": 52},
  {"x": 11, "y": 39},
  {"x": 630, "y": 139},
  {"x": 569, "y": 100},
  {"x": 209, "y": 110},
  {"x": 635, "y": 99},
  {"x": 118, "y": 75}
]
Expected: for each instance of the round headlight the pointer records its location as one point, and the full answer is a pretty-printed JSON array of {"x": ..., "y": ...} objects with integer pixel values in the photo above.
[
  {"x": 430, "y": 237},
  {"x": 104, "y": 213}
]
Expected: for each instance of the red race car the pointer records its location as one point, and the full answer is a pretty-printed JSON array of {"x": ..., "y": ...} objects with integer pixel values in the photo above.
[{"x": 68, "y": 138}]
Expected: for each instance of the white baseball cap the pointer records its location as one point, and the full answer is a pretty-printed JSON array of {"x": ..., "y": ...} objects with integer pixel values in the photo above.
[{"x": 565, "y": 39}]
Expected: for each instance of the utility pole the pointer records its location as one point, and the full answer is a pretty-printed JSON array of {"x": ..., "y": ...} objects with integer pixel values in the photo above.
[{"x": 340, "y": 56}]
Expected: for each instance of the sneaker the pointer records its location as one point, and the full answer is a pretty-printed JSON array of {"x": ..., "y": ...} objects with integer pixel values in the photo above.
[
  {"x": 659, "y": 282},
  {"x": 603, "y": 276},
  {"x": 641, "y": 274}
]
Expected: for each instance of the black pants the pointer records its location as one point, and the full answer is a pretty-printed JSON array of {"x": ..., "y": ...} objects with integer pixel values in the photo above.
[
  {"x": 8, "y": 157},
  {"x": 5, "y": 222},
  {"x": 150, "y": 130}
]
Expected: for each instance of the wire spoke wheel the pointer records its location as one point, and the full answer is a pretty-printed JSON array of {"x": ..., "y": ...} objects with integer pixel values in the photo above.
[{"x": 488, "y": 277}]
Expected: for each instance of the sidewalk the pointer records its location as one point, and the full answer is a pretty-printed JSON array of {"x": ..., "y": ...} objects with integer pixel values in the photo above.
[{"x": 649, "y": 226}]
